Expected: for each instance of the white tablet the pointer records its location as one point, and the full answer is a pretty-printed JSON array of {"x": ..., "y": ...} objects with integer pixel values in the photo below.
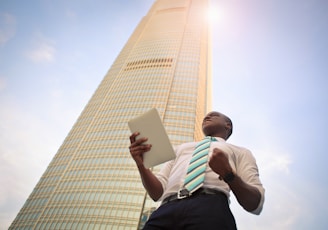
[{"x": 150, "y": 125}]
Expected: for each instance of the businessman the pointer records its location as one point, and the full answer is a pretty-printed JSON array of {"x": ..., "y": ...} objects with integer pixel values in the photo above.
[{"x": 194, "y": 188}]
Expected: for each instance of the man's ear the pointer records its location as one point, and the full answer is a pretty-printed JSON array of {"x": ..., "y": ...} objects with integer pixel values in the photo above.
[{"x": 227, "y": 126}]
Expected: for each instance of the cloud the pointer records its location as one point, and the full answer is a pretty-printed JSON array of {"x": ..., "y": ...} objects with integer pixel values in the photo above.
[
  {"x": 24, "y": 155},
  {"x": 283, "y": 209},
  {"x": 43, "y": 50},
  {"x": 29, "y": 138},
  {"x": 272, "y": 162},
  {"x": 7, "y": 27},
  {"x": 71, "y": 14}
]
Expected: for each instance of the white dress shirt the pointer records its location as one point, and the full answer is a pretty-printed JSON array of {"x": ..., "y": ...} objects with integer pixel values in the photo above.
[{"x": 243, "y": 163}]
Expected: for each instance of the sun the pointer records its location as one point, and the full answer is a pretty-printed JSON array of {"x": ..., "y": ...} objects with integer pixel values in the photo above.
[{"x": 213, "y": 15}]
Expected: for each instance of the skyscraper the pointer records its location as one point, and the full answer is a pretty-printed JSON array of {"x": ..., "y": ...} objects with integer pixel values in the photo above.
[{"x": 92, "y": 181}]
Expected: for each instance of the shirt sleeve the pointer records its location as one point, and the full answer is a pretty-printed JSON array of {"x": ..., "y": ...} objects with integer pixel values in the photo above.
[
  {"x": 247, "y": 170},
  {"x": 164, "y": 173}
]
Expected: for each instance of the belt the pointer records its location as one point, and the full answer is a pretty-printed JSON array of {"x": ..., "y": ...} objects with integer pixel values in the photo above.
[{"x": 183, "y": 194}]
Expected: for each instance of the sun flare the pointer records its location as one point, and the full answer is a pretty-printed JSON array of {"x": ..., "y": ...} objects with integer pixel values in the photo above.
[{"x": 213, "y": 15}]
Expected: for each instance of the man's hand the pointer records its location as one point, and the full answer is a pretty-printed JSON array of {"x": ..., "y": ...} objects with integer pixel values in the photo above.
[
  {"x": 219, "y": 163},
  {"x": 138, "y": 148}
]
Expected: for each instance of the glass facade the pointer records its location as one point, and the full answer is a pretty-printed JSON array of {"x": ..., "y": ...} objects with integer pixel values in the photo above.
[{"x": 92, "y": 181}]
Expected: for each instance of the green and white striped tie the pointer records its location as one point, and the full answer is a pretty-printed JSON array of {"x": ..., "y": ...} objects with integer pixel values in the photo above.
[{"x": 197, "y": 166}]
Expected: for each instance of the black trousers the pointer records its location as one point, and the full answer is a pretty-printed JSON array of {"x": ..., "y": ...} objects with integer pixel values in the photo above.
[{"x": 200, "y": 212}]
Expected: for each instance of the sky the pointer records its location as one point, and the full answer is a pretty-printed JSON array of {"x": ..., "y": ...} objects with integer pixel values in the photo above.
[{"x": 270, "y": 75}]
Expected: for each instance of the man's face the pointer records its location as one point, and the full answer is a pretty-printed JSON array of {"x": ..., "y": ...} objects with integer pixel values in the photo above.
[{"x": 214, "y": 123}]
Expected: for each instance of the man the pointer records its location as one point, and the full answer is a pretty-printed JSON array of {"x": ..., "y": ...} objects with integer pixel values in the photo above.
[{"x": 229, "y": 168}]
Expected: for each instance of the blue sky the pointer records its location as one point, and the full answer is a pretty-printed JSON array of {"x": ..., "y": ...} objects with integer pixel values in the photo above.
[{"x": 269, "y": 75}]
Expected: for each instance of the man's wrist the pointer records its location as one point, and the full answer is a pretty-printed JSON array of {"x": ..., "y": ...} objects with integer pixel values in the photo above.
[{"x": 229, "y": 177}]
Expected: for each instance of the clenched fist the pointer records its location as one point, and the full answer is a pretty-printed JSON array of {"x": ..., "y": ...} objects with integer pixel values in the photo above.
[{"x": 219, "y": 163}]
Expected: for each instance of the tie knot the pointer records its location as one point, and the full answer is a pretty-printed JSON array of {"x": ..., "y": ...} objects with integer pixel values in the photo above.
[{"x": 210, "y": 138}]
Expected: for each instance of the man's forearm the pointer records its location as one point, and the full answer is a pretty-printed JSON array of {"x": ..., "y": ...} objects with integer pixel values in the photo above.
[
  {"x": 151, "y": 183},
  {"x": 248, "y": 196}
]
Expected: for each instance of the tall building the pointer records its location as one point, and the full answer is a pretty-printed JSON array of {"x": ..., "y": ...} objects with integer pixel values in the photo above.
[{"x": 92, "y": 181}]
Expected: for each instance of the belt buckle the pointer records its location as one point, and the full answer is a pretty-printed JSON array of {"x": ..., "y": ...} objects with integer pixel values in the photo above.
[{"x": 183, "y": 193}]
